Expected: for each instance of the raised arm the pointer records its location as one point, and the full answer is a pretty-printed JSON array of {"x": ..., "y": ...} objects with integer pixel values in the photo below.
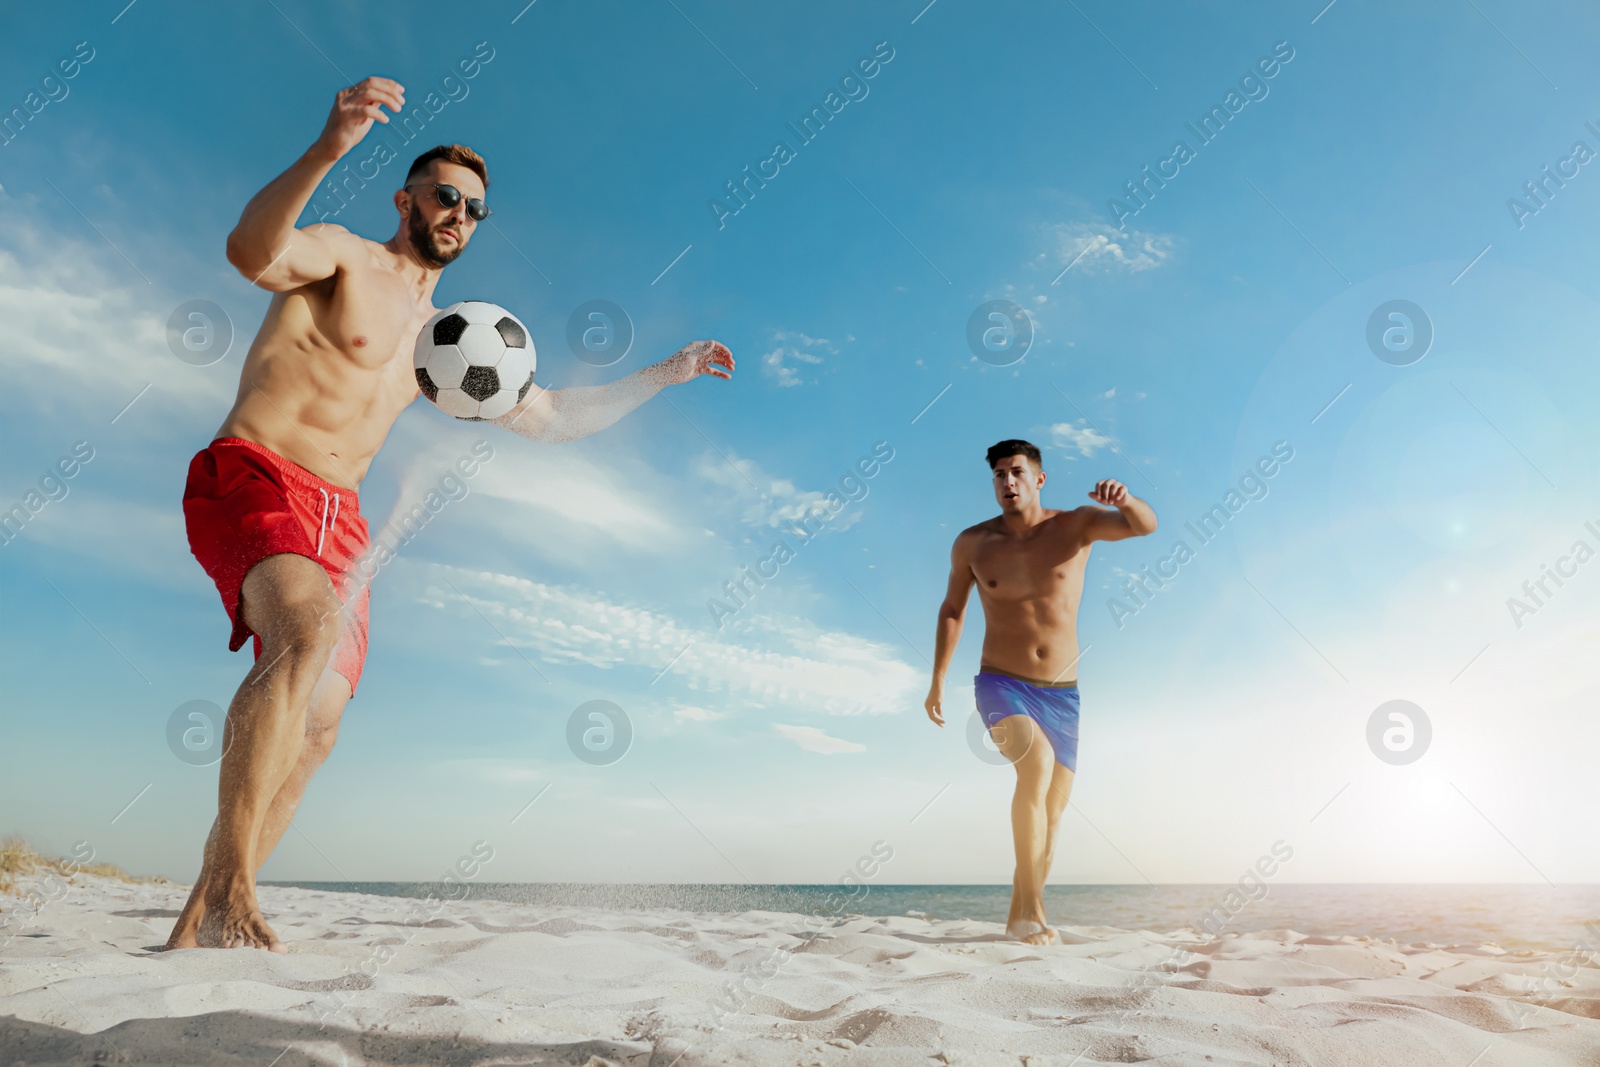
[
  {"x": 265, "y": 246},
  {"x": 952, "y": 614},
  {"x": 555, "y": 415},
  {"x": 1133, "y": 517}
]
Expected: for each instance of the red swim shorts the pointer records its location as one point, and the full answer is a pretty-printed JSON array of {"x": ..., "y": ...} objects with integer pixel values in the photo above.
[{"x": 244, "y": 502}]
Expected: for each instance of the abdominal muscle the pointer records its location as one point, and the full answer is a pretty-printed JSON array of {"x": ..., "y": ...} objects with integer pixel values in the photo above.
[{"x": 1034, "y": 638}]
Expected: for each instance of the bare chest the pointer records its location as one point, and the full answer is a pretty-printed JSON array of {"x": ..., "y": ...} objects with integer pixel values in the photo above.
[
  {"x": 1039, "y": 568},
  {"x": 373, "y": 318}
]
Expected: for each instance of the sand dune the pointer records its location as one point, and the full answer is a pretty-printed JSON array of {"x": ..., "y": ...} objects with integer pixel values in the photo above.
[{"x": 488, "y": 982}]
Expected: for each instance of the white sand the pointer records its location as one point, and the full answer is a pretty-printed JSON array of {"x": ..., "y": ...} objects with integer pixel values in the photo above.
[{"x": 495, "y": 983}]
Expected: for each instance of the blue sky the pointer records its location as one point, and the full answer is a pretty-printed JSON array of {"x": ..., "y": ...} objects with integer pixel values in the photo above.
[{"x": 1228, "y": 314}]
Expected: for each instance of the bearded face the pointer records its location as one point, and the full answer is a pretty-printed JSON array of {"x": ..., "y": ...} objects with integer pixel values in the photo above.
[{"x": 425, "y": 239}]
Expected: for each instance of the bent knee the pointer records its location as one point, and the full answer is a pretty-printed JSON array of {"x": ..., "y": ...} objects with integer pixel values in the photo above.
[
  {"x": 309, "y": 635},
  {"x": 1033, "y": 775},
  {"x": 319, "y": 744}
]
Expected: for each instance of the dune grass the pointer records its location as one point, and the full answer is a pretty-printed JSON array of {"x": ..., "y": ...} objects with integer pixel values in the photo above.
[{"x": 18, "y": 859}]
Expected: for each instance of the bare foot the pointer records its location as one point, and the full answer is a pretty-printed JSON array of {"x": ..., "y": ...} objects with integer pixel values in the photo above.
[
  {"x": 1032, "y": 933},
  {"x": 232, "y": 920},
  {"x": 186, "y": 930}
]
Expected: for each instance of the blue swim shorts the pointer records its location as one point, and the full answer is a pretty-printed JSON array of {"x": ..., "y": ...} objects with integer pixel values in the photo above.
[{"x": 1053, "y": 707}]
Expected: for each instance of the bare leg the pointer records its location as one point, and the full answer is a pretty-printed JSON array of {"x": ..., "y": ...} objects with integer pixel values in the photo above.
[
  {"x": 1055, "y": 803},
  {"x": 290, "y": 602},
  {"x": 1021, "y": 741},
  {"x": 322, "y": 727},
  {"x": 188, "y": 924}
]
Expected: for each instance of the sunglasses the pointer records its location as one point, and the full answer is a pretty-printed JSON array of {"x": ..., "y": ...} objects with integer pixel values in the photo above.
[{"x": 450, "y": 196}]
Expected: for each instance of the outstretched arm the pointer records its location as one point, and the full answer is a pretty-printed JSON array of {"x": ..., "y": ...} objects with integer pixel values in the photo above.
[
  {"x": 952, "y": 615},
  {"x": 1133, "y": 517},
  {"x": 265, "y": 247},
  {"x": 555, "y": 415}
]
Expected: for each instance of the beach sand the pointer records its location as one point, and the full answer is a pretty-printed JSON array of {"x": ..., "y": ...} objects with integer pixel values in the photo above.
[{"x": 376, "y": 980}]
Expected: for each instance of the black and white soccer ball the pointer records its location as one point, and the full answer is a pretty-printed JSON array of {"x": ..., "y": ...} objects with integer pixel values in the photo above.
[{"x": 474, "y": 360}]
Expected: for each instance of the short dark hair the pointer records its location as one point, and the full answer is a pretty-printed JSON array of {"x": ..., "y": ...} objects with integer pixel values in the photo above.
[
  {"x": 458, "y": 154},
  {"x": 1014, "y": 447}
]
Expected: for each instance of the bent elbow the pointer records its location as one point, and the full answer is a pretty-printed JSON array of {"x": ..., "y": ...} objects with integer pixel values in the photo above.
[{"x": 239, "y": 255}]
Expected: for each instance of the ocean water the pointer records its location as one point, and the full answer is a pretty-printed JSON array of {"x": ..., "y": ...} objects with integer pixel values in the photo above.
[{"x": 1543, "y": 918}]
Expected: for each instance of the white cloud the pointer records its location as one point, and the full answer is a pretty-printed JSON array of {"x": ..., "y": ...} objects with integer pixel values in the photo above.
[
  {"x": 764, "y": 662},
  {"x": 134, "y": 537},
  {"x": 773, "y": 362},
  {"x": 1109, "y": 393},
  {"x": 814, "y": 740},
  {"x": 793, "y": 347},
  {"x": 1098, "y": 248},
  {"x": 586, "y": 498},
  {"x": 558, "y": 508},
  {"x": 769, "y": 500},
  {"x": 86, "y": 340},
  {"x": 691, "y": 713},
  {"x": 805, "y": 339},
  {"x": 1084, "y": 440}
]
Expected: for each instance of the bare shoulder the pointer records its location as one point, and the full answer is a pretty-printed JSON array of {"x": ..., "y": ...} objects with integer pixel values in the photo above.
[
  {"x": 975, "y": 533},
  {"x": 967, "y": 541},
  {"x": 325, "y": 229},
  {"x": 349, "y": 248},
  {"x": 334, "y": 236},
  {"x": 1074, "y": 524}
]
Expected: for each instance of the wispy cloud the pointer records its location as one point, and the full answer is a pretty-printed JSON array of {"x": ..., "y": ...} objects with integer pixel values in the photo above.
[
  {"x": 86, "y": 339},
  {"x": 794, "y": 347},
  {"x": 694, "y": 713},
  {"x": 1084, "y": 440},
  {"x": 135, "y": 538},
  {"x": 814, "y": 740},
  {"x": 1099, "y": 248},
  {"x": 553, "y": 496},
  {"x": 764, "y": 662},
  {"x": 779, "y": 502}
]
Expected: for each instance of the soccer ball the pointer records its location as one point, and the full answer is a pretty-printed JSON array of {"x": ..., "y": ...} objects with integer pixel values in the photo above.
[{"x": 474, "y": 360}]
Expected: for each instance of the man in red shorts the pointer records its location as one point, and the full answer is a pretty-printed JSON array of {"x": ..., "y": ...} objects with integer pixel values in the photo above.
[{"x": 271, "y": 504}]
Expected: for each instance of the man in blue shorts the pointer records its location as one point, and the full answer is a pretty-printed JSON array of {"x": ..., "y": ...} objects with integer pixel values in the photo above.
[{"x": 1028, "y": 564}]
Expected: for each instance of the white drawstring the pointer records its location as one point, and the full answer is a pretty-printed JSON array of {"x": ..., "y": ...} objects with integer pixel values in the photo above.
[{"x": 323, "y": 529}]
